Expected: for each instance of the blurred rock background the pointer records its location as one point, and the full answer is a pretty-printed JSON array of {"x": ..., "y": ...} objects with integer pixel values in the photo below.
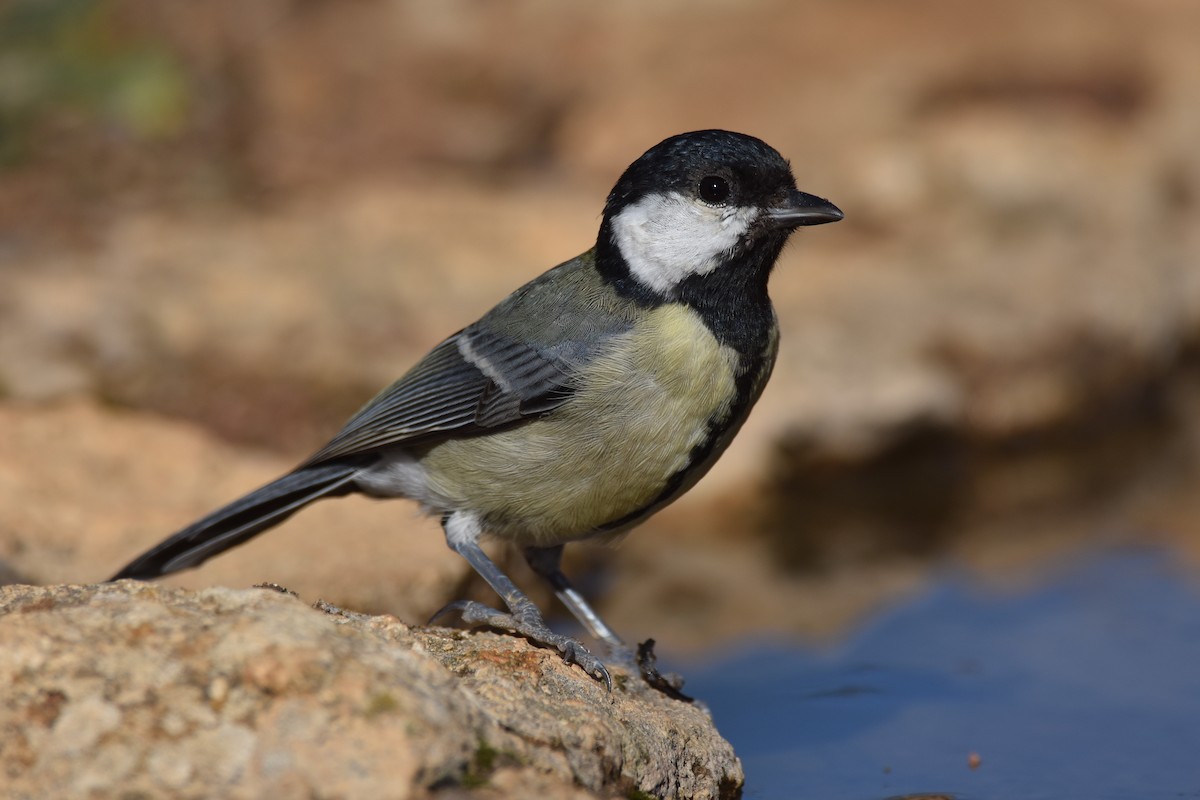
[{"x": 224, "y": 225}]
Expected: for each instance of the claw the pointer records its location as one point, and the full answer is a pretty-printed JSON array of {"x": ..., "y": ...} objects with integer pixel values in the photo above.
[
  {"x": 670, "y": 684},
  {"x": 466, "y": 608},
  {"x": 533, "y": 629}
]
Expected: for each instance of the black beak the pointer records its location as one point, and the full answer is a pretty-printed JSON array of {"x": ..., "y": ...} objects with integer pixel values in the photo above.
[{"x": 803, "y": 209}]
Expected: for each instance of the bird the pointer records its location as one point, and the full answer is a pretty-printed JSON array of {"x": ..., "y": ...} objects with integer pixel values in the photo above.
[{"x": 582, "y": 403}]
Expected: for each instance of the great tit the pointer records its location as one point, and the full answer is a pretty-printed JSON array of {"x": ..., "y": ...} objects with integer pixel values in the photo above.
[{"x": 585, "y": 401}]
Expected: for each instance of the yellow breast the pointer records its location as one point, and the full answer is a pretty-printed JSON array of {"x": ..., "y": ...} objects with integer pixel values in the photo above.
[{"x": 644, "y": 405}]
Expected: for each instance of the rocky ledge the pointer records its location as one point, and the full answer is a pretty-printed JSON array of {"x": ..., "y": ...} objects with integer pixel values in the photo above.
[{"x": 135, "y": 690}]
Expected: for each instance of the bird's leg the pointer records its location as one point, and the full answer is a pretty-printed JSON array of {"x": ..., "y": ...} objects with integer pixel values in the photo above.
[
  {"x": 547, "y": 562},
  {"x": 462, "y": 534}
]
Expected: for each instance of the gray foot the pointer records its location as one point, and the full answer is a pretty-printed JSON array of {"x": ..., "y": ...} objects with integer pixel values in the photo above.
[
  {"x": 533, "y": 628},
  {"x": 669, "y": 684}
]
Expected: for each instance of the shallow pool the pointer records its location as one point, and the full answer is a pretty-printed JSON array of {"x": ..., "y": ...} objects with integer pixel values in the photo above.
[{"x": 1084, "y": 683}]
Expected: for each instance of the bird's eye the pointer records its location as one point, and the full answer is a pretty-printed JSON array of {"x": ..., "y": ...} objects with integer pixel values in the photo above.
[{"x": 714, "y": 190}]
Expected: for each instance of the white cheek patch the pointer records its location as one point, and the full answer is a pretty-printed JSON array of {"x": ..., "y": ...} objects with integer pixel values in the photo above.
[{"x": 666, "y": 238}]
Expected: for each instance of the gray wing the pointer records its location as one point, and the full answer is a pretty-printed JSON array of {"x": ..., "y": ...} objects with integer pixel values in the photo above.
[{"x": 474, "y": 381}]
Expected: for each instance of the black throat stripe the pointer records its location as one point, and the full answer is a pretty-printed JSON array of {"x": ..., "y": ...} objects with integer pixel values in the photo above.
[{"x": 732, "y": 300}]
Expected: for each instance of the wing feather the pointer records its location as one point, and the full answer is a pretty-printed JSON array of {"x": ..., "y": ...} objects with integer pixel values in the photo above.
[{"x": 474, "y": 381}]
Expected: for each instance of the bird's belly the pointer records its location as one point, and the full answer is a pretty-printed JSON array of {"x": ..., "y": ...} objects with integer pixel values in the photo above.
[{"x": 650, "y": 401}]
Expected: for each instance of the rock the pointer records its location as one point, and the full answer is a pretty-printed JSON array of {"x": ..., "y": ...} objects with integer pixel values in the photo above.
[{"x": 134, "y": 689}]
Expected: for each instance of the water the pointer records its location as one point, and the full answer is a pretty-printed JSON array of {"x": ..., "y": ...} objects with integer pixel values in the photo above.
[{"x": 1083, "y": 684}]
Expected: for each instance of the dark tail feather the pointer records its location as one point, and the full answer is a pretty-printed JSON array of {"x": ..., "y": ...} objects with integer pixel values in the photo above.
[{"x": 240, "y": 520}]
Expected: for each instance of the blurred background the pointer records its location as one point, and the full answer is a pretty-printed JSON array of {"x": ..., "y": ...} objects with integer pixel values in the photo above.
[{"x": 223, "y": 226}]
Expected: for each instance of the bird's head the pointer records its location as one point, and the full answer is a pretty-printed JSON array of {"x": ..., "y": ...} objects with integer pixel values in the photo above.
[{"x": 699, "y": 203}]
